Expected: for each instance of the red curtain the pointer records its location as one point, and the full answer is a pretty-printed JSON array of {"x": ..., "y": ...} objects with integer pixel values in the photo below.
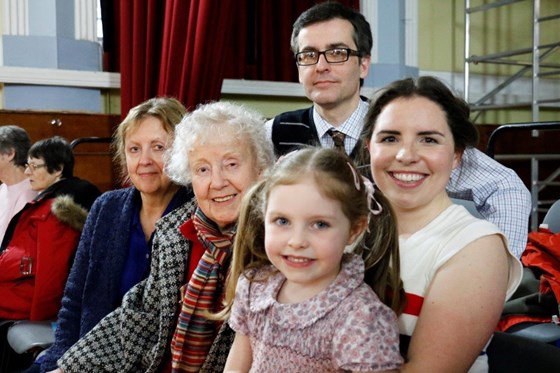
[
  {"x": 262, "y": 44},
  {"x": 140, "y": 50},
  {"x": 185, "y": 48},
  {"x": 195, "y": 35},
  {"x": 172, "y": 48}
]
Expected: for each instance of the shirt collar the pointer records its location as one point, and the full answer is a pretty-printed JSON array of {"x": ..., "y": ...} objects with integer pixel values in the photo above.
[
  {"x": 301, "y": 315},
  {"x": 351, "y": 127}
]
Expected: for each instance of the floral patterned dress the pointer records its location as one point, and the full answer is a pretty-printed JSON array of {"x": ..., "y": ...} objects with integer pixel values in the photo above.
[{"x": 344, "y": 327}]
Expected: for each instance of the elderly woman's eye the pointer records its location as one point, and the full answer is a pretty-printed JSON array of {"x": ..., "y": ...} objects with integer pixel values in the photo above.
[{"x": 202, "y": 170}]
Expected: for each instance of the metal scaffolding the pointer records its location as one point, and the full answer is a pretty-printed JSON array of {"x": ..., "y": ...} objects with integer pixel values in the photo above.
[{"x": 538, "y": 66}]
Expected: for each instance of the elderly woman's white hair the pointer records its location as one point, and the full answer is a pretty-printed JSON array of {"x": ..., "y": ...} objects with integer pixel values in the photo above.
[{"x": 211, "y": 120}]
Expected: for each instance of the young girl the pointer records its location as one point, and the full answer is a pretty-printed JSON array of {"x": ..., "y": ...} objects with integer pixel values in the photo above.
[{"x": 311, "y": 238}]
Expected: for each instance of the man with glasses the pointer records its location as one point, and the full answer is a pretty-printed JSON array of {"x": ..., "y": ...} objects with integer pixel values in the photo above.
[{"x": 332, "y": 47}]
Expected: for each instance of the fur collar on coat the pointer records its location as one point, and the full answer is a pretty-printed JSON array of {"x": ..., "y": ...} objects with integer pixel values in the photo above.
[{"x": 69, "y": 212}]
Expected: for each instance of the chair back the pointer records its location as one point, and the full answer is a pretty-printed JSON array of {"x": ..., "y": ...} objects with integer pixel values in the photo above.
[{"x": 552, "y": 217}]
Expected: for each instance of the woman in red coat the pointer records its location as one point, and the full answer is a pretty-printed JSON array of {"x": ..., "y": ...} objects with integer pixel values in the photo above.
[{"x": 37, "y": 250}]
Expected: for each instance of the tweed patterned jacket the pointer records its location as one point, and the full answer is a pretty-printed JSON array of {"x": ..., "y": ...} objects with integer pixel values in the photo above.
[{"x": 135, "y": 336}]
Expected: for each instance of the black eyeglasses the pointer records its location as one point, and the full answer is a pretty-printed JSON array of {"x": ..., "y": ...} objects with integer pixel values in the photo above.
[
  {"x": 34, "y": 167},
  {"x": 334, "y": 55}
]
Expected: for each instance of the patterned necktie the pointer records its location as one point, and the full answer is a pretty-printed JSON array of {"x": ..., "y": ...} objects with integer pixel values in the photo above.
[{"x": 338, "y": 138}]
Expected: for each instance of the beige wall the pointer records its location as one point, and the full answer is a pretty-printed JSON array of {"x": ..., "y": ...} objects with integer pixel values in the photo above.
[
  {"x": 269, "y": 106},
  {"x": 111, "y": 101},
  {"x": 506, "y": 28}
]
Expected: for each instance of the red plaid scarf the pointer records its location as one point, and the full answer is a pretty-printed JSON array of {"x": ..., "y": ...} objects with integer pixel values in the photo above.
[{"x": 195, "y": 333}]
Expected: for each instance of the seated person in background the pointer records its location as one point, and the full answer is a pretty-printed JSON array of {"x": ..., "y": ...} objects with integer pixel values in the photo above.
[
  {"x": 114, "y": 252},
  {"x": 40, "y": 242},
  {"x": 314, "y": 242},
  {"x": 456, "y": 269},
  {"x": 15, "y": 189},
  {"x": 332, "y": 47}
]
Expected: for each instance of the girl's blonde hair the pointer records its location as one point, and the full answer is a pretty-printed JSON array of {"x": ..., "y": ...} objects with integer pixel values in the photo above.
[{"x": 336, "y": 178}]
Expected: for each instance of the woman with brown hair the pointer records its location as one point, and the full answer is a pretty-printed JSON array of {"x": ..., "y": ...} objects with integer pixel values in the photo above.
[{"x": 115, "y": 248}]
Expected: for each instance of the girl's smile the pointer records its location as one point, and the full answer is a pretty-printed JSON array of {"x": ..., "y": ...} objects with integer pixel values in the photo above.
[{"x": 305, "y": 244}]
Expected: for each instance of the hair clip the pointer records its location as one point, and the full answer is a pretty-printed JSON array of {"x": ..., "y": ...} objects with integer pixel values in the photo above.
[
  {"x": 370, "y": 190},
  {"x": 371, "y": 197},
  {"x": 356, "y": 176}
]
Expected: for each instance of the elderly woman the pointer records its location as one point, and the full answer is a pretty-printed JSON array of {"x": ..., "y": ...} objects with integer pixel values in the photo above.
[
  {"x": 41, "y": 241},
  {"x": 457, "y": 270},
  {"x": 162, "y": 324},
  {"x": 15, "y": 189},
  {"x": 114, "y": 251}
]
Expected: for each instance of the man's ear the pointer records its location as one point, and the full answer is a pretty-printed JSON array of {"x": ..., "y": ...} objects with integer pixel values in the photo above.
[{"x": 365, "y": 63}]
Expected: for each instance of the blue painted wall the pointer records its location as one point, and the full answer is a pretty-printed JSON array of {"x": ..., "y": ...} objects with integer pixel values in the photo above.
[
  {"x": 51, "y": 45},
  {"x": 27, "y": 97},
  {"x": 390, "y": 31}
]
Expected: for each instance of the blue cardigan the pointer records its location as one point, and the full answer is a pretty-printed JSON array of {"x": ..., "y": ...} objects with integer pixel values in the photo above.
[{"x": 93, "y": 287}]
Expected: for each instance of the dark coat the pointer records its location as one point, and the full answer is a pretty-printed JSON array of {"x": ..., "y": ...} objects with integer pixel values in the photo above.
[
  {"x": 135, "y": 337},
  {"x": 93, "y": 287}
]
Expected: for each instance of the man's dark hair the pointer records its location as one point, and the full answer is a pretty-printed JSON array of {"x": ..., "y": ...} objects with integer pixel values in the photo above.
[{"x": 331, "y": 10}]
